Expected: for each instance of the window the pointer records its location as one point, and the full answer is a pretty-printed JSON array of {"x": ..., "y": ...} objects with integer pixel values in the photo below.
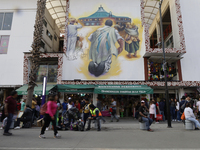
[
  {"x": 45, "y": 23},
  {"x": 49, "y": 34},
  {"x": 4, "y": 40},
  {"x": 55, "y": 37},
  {"x": 48, "y": 70},
  {"x": 6, "y": 21}
]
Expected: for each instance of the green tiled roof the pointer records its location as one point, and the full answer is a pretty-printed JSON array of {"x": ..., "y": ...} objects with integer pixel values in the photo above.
[{"x": 101, "y": 13}]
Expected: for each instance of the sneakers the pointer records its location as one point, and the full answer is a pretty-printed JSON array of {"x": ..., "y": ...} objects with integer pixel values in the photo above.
[
  {"x": 7, "y": 134},
  {"x": 47, "y": 129},
  {"x": 157, "y": 122},
  {"x": 150, "y": 130},
  {"x": 57, "y": 136},
  {"x": 17, "y": 127},
  {"x": 196, "y": 129},
  {"x": 42, "y": 136}
]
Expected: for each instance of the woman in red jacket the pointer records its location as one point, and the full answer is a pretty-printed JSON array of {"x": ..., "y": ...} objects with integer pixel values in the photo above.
[{"x": 49, "y": 116}]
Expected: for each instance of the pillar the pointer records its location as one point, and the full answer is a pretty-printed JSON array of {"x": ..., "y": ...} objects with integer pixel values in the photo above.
[
  {"x": 62, "y": 96},
  {"x": 181, "y": 92},
  {"x": 95, "y": 99}
]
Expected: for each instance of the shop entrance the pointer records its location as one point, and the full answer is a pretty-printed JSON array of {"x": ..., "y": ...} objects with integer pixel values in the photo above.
[{"x": 125, "y": 104}]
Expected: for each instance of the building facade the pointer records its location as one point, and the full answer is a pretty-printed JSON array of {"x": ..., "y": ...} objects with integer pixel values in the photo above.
[
  {"x": 17, "y": 19},
  {"x": 181, "y": 36}
]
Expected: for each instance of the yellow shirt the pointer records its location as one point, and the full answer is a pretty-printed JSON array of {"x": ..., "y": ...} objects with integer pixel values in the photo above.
[
  {"x": 33, "y": 104},
  {"x": 87, "y": 108}
]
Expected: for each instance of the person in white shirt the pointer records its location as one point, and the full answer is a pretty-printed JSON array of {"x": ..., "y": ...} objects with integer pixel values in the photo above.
[
  {"x": 70, "y": 104},
  {"x": 178, "y": 110},
  {"x": 198, "y": 105},
  {"x": 189, "y": 115},
  {"x": 152, "y": 110}
]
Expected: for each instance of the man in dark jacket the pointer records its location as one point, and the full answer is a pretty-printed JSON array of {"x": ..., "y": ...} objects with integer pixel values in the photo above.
[
  {"x": 162, "y": 108},
  {"x": 182, "y": 104},
  {"x": 26, "y": 117},
  {"x": 10, "y": 109}
]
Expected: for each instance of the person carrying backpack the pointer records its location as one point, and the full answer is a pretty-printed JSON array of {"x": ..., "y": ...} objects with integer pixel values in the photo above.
[
  {"x": 49, "y": 116},
  {"x": 182, "y": 104}
]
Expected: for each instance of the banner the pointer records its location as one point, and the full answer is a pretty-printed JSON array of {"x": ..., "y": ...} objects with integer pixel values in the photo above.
[{"x": 104, "y": 41}]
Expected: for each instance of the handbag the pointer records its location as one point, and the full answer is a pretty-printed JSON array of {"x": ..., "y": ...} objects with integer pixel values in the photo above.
[
  {"x": 159, "y": 117},
  {"x": 183, "y": 116},
  {"x": 183, "y": 106},
  {"x": 43, "y": 109}
]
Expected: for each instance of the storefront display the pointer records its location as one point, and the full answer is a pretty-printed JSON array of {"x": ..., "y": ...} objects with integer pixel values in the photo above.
[{"x": 156, "y": 72}]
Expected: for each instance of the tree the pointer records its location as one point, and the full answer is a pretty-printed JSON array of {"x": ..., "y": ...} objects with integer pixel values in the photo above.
[{"x": 35, "y": 58}]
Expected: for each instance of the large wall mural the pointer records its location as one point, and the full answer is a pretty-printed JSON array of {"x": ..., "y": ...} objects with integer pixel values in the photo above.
[{"x": 104, "y": 41}]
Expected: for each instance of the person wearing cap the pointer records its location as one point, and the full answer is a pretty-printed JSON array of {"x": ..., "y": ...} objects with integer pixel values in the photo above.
[
  {"x": 143, "y": 112},
  {"x": 86, "y": 110},
  {"x": 94, "y": 114},
  {"x": 182, "y": 104}
]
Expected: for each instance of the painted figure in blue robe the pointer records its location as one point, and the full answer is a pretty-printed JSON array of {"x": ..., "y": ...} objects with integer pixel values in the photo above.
[{"x": 103, "y": 48}]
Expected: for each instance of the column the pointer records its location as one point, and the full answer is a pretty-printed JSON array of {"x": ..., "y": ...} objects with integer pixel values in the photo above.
[
  {"x": 181, "y": 92},
  {"x": 95, "y": 99}
]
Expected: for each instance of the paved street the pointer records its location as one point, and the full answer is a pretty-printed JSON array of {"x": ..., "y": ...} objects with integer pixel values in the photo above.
[{"x": 122, "y": 135}]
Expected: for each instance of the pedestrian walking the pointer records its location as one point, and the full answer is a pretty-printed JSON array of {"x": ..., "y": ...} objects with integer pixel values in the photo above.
[
  {"x": 172, "y": 109},
  {"x": 86, "y": 110},
  {"x": 10, "y": 108},
  {"x": 49, "y": 116},
  {"x": 152, "y": 110},
  {"x": 162, "y": 108},
  {"x": 114, "y": 109},
  {"x": 178, "y": 111}
]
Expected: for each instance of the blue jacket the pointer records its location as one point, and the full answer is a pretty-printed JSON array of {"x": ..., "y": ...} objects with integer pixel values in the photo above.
[{"x": 162, "y": 106}]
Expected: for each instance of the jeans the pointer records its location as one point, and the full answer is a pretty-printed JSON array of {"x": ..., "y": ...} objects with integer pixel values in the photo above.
[
  {"x": 98, "y": 122},
  {"x": 172, "y": 111},
  {"x": 9, "y": 121},
  {"x": 148, "y": 122},
  {"x": 47, "y": 120},
  {"x": 114, "y": 115},
  {"x": 136, "y": 114},
  {"x": 196, "y": 122},
  {"x": 163, "y": 114},
  {"x": 178, "y": 115},
  {"x": 85, "y": 117}
]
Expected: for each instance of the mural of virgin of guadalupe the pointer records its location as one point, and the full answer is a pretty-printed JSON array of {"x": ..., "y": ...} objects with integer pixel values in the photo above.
[
  {"x": 131, "y": 40},
  {"x": 103, "y": 48}
]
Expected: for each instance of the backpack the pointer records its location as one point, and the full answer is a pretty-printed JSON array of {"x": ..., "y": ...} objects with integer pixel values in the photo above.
[
  {"x": 183, "y": 106},
  {"x": 43, "y": 109}
]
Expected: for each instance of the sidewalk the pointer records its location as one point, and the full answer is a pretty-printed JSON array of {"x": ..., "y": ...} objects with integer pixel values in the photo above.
[{"x": 114, "y": 135}]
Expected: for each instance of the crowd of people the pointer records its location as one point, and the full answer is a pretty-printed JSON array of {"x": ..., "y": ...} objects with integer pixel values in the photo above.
[
  {"x": 186, "y": 109},
  {"x": 64, "y": 115}
]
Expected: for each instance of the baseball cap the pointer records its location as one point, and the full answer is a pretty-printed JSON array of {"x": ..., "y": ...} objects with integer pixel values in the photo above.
[{"x": 142, "y": 101}]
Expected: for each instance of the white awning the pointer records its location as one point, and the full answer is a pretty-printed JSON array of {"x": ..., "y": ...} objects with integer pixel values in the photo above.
[
  {"x": 57, "y": 9},
  {"x": 151, "y": 8}
]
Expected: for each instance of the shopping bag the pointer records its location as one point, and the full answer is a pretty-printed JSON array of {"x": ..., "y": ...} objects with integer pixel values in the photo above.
[
  {"x": 159, "y": 117},
  {"x": 183, "y": 116}
]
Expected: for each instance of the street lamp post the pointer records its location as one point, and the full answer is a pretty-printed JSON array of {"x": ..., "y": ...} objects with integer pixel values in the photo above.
[{"x": 165, "y": 68}]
